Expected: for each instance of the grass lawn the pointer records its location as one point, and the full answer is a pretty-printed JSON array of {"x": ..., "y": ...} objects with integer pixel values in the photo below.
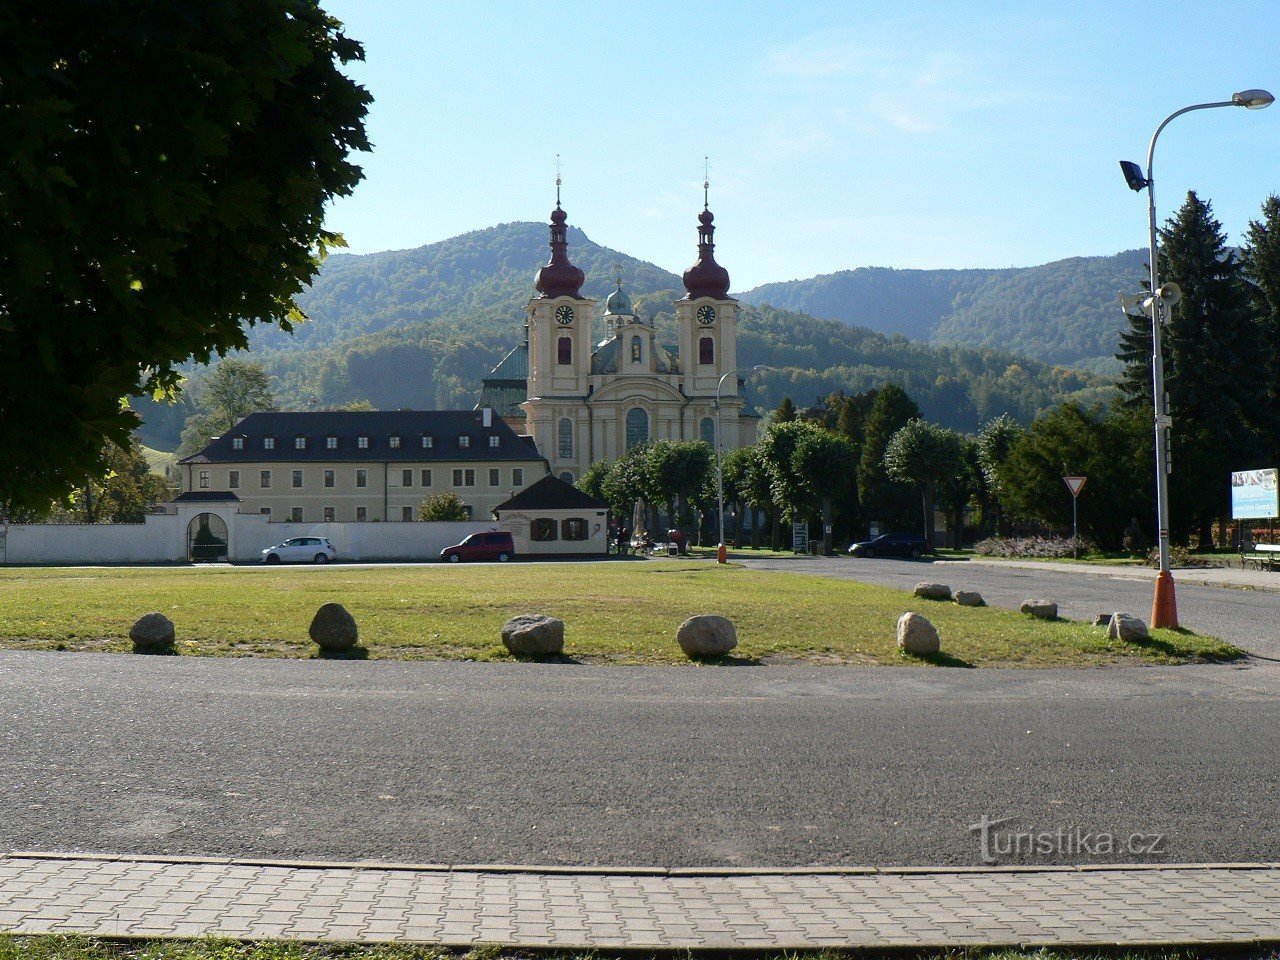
[
  {"x": 622, "y": 611},
  {"x": 82, "y": 948}
]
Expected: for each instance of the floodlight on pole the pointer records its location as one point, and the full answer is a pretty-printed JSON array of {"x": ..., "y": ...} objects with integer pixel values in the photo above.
[{"x": 1164, "y": 606}]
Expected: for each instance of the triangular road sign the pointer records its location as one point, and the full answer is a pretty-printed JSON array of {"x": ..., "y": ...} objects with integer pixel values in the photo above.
[{"x": 1075, "y": 484}]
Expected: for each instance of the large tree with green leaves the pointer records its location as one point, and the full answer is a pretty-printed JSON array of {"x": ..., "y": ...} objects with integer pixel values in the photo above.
[
  {"x": 224, "y": 396},
  {"x": 678, "y": 470},
  {"x": 827, "y": 461},
  {"x": 994, "y": 442},
  {"x": 164, "y": 171},
  {"x": 1214, "y": 370},
  {"x": 880, "y": 496},
  {"x": 1261, "y": 259},
  {"x": 928, "y": 457}
]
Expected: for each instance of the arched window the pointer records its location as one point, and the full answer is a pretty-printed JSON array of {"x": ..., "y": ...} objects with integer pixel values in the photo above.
[
  {"x": 564, "y": 438},
  {"x": 637, "y": 350},
  {"x": 707, "y": 431},
  {"x": 567, "y": 477},
  {"x": 564, "y": 351},
  {"x": 706, "y": 350},
  {"x": 637, "y": 427}
]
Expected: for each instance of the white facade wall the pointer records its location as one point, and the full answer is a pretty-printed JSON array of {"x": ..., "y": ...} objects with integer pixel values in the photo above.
[{"x": 163, "y": 539}]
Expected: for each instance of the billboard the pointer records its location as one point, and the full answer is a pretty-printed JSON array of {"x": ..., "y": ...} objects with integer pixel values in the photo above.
[{"x": 1254, "y": 495}]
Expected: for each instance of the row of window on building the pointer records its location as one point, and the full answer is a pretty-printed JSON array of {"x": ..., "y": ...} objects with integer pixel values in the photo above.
[
  {"x": 462, "y": 477},
  {"x": 706, "y": 351},
  {"x": 637, "y": 425},
  {"x": 330, "y": 514},
  {"x": 395, "y": 441}
]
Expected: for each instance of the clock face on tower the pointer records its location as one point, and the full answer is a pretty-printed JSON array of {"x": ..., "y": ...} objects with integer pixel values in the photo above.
[
  {"x": 706, "y": 315},
  {"x": 564, "y": 315}
]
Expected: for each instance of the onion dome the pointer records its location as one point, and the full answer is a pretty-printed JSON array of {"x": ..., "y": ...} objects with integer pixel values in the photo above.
[
  {"x": 619, "y": 304},
  {"x": 706, "y": 278},
  {"x": 559, "y": 278}
]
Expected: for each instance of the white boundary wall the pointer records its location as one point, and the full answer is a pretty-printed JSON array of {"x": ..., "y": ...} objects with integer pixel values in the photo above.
[{"x": 163, "y": 539}]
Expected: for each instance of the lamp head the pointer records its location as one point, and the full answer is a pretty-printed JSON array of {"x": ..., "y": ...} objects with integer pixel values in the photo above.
[
  {"x": 1133, "y": 175},
  {"x": 1252, "y": 99}
]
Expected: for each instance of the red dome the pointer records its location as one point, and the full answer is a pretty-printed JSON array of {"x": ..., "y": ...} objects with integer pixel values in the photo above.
[
  {"x": 706, "y": 278},
  {"x": 559, "y": 278}
]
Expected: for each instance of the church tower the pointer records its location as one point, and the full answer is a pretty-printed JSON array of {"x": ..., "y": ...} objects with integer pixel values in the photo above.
[
  {"x": 707, "y": 319},
  {"x": 559, "y": 323}
]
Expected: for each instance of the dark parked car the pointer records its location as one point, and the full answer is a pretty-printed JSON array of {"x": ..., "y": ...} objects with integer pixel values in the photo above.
[
  {"x": 890, "y": 545},
  {"x": 496, "y": 545}
]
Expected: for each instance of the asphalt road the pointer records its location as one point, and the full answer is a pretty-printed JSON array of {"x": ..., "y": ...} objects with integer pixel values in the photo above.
[
  {"x": 470, "y": 763},
  {"x": 1250, "y": 619}
]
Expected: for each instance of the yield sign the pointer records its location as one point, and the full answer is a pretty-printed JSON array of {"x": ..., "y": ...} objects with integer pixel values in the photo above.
[{"x": 1075, "y": 484}]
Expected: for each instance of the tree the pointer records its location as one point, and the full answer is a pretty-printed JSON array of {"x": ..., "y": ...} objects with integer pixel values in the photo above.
[
  {"x": 444, "y": 507},
  {"x": 756, "y": 485},
  {"x": 224, "y": 396},
  {"x": 593, "y": 479},
  {"x": 956, "y": 490},
  {"x": 677, "y": 471},
  {"x": 164, "y": 172},
  {"x": 880, "y": 496},
  {"x": 736, "y": 467},
  {"x": 1212, "y": 367},
  {"x": 123, "y": 495},
  {"x": 786, "y": 411},
  {"x": 827, "y": 461},
  {"x": 1111, "y": 448},
  {"x": 1261, "y": 260},
  {"x": 994, "y": 442},
  {"x": 626, "y": 483},
  {"x": 927, "y": 456}
]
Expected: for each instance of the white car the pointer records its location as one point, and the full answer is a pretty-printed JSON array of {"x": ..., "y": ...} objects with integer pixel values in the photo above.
[{"x": 301, "y": 550}]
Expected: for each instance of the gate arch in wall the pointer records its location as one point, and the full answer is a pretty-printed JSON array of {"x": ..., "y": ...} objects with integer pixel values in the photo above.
[{"x": 207, "y": 539}]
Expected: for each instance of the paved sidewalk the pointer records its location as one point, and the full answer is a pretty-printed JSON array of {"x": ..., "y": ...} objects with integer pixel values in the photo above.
[
  {"x": 1207, "y": 576},
  {"x": 571, "y": 908}
]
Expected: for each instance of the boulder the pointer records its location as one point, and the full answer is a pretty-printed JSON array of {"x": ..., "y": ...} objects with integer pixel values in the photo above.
[
  {"x": 1127, "y": 628},
  {"x": 917, "y": 636},
  {"x": 706, "y": 636},
  {"x": 1102, "y": 620},
  {"x": 533, "y": 635},
  {"x": 933, "y": 591},
  {"x": 152, "y": 633},
  {"x": 970, "y": 598},
  {"x": 1041, "y": 609},
  {"x": 333, "y": 629}
]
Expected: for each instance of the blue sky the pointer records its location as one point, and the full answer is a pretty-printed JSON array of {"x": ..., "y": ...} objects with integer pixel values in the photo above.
[{"x": 950, "y": 134}]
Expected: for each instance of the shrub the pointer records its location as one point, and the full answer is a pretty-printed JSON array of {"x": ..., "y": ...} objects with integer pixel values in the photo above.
[
  {"x": 1178, "y": 557},
  {"x": 1042, "y": 548}
]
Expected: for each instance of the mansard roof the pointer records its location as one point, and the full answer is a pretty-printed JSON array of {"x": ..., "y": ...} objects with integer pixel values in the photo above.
[{"x": 445, "y": 427}]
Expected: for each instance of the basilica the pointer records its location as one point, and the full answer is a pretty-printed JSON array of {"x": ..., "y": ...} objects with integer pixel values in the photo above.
[{"x": 584, "y": 399}]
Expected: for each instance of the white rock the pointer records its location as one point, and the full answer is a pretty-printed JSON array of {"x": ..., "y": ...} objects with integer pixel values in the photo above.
[
  {"x": 533, "y": 635},
  {"x": 1043, "y": 609},
  {"x": 1127, "y": 628},
  {"x": 933, "y": 591},
  {"x": 970, "y": 598},
  {"x": 916, "y": 635},
  {"x": 706, "y": 636}
]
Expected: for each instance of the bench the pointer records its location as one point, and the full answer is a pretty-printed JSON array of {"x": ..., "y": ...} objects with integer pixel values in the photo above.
[{"x": 1264, "y": 555}]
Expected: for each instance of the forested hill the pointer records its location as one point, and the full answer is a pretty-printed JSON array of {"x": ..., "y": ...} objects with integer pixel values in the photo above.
[
  {"x": 419, "y": 328},
  {"x": 1063, "y": 312}
]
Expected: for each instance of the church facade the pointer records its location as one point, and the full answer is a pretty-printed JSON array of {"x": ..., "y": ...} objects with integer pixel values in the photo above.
[{"x": 584, "y": 399}]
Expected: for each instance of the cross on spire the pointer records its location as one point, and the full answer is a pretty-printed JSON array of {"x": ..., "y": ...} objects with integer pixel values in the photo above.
[
  {"x": 706, "y": 183},
  {"x": 557, "y": 181}
]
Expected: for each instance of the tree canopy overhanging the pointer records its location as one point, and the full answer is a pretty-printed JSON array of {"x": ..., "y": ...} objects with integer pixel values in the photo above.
[{"x": 164, "y": 171}]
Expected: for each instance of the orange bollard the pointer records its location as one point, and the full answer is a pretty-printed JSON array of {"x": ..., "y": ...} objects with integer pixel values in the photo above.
[
  {"x": 1164, "y": 608},
  {"x": 722, "y": 554}
]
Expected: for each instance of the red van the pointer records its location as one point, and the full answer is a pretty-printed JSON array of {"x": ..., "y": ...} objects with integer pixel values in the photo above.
[{"x": 494, "y": 545}]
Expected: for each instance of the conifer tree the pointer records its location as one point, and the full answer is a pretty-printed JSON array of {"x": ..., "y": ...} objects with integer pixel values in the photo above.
[
  {"x": 880, "y": 497},
  {"x": 1261, "y": 259},
  {"x": 1213, "y": 371}
]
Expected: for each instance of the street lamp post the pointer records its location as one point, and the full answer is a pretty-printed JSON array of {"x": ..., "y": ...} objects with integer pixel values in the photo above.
[
  {"x": 1164, "y": 606},
  {"x": 722, "y": 552}
]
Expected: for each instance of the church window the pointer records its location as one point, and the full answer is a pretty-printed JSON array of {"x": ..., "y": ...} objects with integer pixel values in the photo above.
[
  {"x": 567, "y": 477},
  {"x": 637, "y": 350},
  {"x": 564, "y": 351},
  {"x": 542, "y": 529},
  {"x": 637, "y": 427},
  {"x": 706, "y": 350},
  {"x": 564, "y": 438},
  {"x": 707, "y": 432}
]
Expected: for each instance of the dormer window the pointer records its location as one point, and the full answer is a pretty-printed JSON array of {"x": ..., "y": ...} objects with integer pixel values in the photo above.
[
  {"x": 331, "y": 442},
  {"x": 268, "y": 443},
  {"x": 394, "y": 440},
  {"x": 464, "y": 441},
  {"x": 362, "y": 441},
  {"x": 493, "y": 442},
  {"x": 299, "y": 443},
  {"x": 237, "y": 443},
  {"x": 428, "y": 441}
]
